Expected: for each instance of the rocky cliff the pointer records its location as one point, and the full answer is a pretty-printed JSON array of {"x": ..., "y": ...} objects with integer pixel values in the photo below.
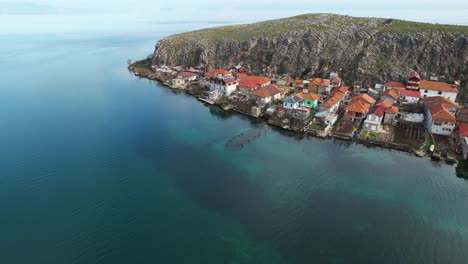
[{"x": 361, "y": 49}]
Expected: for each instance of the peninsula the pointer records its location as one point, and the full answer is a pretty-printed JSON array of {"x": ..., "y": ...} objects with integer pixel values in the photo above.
[{"x": 387, "y": 82}]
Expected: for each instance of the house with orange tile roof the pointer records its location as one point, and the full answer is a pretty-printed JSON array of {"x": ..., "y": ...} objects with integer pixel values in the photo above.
[
  {"x": 309, "y": 99},
  {"x": 187, "y": 76},
  {"x": 250, "y": 83},
  {"x": 218, "y": 73},
  {"x": 267, "y": 94},
  {"x": 433, "y": 89},
  {"x": 225, "y": 86},
  {"x": 440, "y": 115},
  {"x": 318, "y": 86},
  {"x": 390, "y": 111},
  {"x": 391, "y": 95},
  {"x": 332, "y": 102},
  {"x": 358, "y": 108},
  {"x": 410, "y": 96},
  {"x": 393, "y": 85}
]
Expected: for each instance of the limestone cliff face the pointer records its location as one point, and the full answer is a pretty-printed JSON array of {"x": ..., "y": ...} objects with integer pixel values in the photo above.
[{"x": 361, "y": 49}]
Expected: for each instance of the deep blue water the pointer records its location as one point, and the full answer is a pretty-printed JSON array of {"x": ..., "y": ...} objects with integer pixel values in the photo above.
[{"x": 98, "y": 166}]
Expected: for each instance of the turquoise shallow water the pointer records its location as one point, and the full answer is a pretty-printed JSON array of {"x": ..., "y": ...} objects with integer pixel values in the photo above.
[{"x": 98, "y": 166}]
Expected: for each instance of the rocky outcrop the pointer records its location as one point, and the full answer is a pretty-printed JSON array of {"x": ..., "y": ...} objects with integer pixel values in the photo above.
[{"x": 361, "y": 49}]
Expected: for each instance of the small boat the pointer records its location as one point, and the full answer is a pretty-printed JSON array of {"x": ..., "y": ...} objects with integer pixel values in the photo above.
[{"x": 431, "y": 148}]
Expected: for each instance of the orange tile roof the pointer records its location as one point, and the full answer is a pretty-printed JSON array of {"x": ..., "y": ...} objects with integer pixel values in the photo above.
[
  {"x": 440, "y": 113},
  {"x": 253, "y": 81},
  {"x": 215, "y": 72},
  {"x": 385, "y": 103},
  {"x": 298, "y": 82},
  {"x": 391, "y": 110},
  {"x": 438, "y": 86},
  {"x": 389, "y": 107},
  {"x": 358, "y": 106},
  {"x": 440, "y": 100},
  {"x": 364, "y": 98},
  {"x": 260, "y": 93},
  {"x": 308, "y": 96},
  {"x": 392, "y": 93},
  {"x": 395, "y": 84},
  {"x": 332, "y": 100},
  {"x": 320, "y": 82}
]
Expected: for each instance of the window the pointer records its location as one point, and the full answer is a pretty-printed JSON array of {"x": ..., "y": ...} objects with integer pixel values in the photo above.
[
  {"x": 425, "y": 91},
  {"x": 439, "y": 93}
]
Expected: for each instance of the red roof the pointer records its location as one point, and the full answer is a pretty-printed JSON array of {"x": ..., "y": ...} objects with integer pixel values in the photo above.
[
  {"x": 377, "y": 110},
  {"x": 215, "y": 72},
  {"x": 341, "y": 89},
  {"x": 336, "y": 79},
  {"x": 463, "y": 130},
  {"x": 252, "y": 82},
  {"x": 410, "y": 93},
  {"x": 273, "y": 89},
  {"x": 414, "y": 74},
  {"x": 395, "y": 84},
  {"x": 364, "y": 98}
]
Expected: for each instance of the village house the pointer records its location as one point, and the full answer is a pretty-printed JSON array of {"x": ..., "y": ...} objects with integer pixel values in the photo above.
[
  {"x": 260, "y": 95},
  {"x": 292, "y": 102},
  {"x": 341, "y": 89},
  {"x": 374, "y": 118},
  {"x": 251, "y": 83},
  {"x": 391, "y": 95},
  {"x": 440, "y": 115},
  {"x": 358, "y": 108},
  {"x": 413, "y": 81},
  {"x": 297, "y": 83},
  {"x": 393, "y": 85},
  {"x": 318, "y": 86},
  {"x": 218, "y": 73},
  {"x": 433, "y": 89},
  {"x": 267, "y": 94},
  {"x": 225, "y": 86},
  {"x": 336, "y": 82},
  {"x": 309, "y": 99},
  {"x": 187, "y": 76},
  {"x": 285, "y": 81},
  {"x": 410, "y": 96},
  {"x": 332, "y": 103},
  {"x": 390, "y": 111},
  {"x": 293, "y": 106}
]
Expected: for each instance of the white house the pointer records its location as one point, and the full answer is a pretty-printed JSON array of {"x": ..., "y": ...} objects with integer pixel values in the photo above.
[
  {"x": 292, "y": 102},
  {"x": 332, "y": 103},
  {"x": 410, "y": 96},
  {"x": 226, "y": 86},
  {"x": 440, "y": 115},
  {"x": 374, "y": 118},
  {"x": 433, "y": 89},
  {"x": 187, "y": 76}
]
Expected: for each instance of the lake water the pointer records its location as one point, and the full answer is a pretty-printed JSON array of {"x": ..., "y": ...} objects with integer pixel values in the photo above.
[{"x": 98, "y": 166}]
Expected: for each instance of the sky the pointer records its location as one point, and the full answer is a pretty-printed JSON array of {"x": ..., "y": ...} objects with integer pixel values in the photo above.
[{"x": 73, "y": 16}]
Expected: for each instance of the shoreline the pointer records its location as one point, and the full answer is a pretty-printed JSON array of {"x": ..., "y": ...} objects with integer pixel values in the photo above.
[{"x": 146, "y": 73}]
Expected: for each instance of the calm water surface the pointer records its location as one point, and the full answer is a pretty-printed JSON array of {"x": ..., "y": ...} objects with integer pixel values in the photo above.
[{"x": 98, "y": 166}]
